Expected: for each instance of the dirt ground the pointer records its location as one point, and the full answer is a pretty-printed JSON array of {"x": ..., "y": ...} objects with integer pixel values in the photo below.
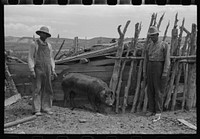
[{"x": 80, "y": 121}]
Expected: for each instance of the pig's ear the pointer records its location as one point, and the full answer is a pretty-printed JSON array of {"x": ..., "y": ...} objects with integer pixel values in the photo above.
[{"x": 102, "y": 93}]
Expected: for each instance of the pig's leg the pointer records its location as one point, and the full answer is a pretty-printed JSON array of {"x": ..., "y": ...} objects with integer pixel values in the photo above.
[
  {"x": 66, "y": 95},
  {"x": 72, "y": 103},
  {"x": 92, "y": 102}
]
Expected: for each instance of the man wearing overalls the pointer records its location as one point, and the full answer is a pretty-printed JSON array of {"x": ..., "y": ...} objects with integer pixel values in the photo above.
[
  {"x": 42, "y": 66},
  {"x": 158, "y": 63}
]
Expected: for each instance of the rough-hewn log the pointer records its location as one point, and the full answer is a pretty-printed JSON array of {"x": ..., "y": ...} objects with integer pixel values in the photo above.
[
  {"x": 142, "y": 58},
  {"x": 145, "y": 100},
  {"x": 136, "y": 96},
  {"x": 137, "y": 32},
  {"x": 186, "y": 31},
  {"x": 176, "y": 87},
  {"x": 174, "y": 65},
  {"x": 116, "y": 71},
  {"x": 20, "y": 121},
  {"x": 179, "y": 70},
  {"x": 59, "y": 49},
  {"x": 154, "y": 20},
  {"x": 185, "y": 86},
  {"x": 159, "y": 23},
  {"x": 174, "y": 39},
  {"x": 165, "y": 34},
  {"x": 17, "y": 59},
  {"x": 185, "y": 51},
  {"x": 187, "y": 124},
  {"x": 192, "y": 70},
  {"x": 184, "y": 48}
]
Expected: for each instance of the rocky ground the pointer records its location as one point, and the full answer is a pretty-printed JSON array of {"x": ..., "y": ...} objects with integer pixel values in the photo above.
[{"x": 80, "y": 121}]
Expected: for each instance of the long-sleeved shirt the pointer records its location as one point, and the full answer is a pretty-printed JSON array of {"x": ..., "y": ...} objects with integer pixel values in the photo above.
[
  {"x": 33, "y": 54},
  {"x": 159, "y": 51}
]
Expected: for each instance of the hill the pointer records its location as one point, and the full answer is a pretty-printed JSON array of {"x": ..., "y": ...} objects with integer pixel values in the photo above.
[{"x": 22, "y": 43}]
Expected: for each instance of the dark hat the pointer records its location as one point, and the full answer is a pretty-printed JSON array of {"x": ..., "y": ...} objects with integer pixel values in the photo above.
[{"x": 43, "y": 30}]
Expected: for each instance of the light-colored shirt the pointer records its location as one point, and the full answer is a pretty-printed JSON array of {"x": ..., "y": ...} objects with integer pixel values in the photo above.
[
  {"x": 159, "y": 51},
  {"x": 33, "y": 53}
]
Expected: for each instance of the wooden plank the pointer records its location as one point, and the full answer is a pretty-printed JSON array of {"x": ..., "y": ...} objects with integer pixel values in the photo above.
[
  {"x": 101, "y": 62},
  {"x": 18, "y": 69},
  {"x": 85, "y": 68},
  {"x": 88, "y": 54},
  {"x": 187, "y": 124},
  {"x": 12, "y": 99}
]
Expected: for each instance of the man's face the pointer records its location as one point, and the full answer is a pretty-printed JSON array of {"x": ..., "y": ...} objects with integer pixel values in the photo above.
[
  {"x": 43, "y": 35},
  {"x": 154, "y": 37}
]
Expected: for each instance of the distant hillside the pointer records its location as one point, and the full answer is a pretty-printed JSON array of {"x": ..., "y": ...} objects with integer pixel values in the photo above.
[{"x": 17, "y": 43}]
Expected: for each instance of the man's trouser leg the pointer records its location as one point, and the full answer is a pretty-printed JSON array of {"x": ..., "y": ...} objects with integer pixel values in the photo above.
[
  {"x": 37, "y": 82},
  {"x": 158, "y": 67},
  {"x": 47, "y": 95},
  {"x": 150, "y": 88}
]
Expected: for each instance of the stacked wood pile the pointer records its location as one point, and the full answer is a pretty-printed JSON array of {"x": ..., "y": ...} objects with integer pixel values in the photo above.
[{"x": 183, "y": 62}]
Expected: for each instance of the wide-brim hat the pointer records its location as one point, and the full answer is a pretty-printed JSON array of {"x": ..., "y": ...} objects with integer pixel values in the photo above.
[
  {"x": 43, "y": 30},
  {"x": 153, "y": 30}
]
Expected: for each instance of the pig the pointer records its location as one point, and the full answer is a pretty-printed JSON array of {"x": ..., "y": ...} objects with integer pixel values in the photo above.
[{"x": 96, "y": 90}]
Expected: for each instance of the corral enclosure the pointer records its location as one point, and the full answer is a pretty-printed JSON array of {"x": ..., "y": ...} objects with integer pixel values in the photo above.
[{"x": 100, "y": 67}]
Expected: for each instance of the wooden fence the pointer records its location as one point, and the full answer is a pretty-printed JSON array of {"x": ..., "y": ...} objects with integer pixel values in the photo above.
[{"x": 183, "y": 62}]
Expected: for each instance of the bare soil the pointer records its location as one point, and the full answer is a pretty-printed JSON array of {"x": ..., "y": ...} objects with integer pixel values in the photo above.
[{"x": 80, "y": 121}]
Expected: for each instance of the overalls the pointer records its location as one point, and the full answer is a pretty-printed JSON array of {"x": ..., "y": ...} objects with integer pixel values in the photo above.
[{"x": 43, "y": 94}]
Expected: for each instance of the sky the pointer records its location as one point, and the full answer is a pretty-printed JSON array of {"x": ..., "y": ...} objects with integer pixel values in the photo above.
[{"x": 83, "y": 21}]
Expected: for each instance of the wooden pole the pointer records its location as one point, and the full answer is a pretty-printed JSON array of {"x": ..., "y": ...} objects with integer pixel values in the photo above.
[
  {"x": 145, "y": 100},
  {"x": 179, "y": 70},
  {"x": 143, "y": 83},
  {"x": 20, "y": 121},
  {"x": 137, "y": 32},
  {"x": 59, "y": 49},
  {"x": 142, "y": 58},
  {"x": 154, "y": 23},
  {"x": 185, "y": 66},
  {"x": 159, "y": 23},
  {"x": 174, "y": 40},
  {"x": 116, "y": 70},
  {"x": 174, "y": 66},
  {"x": 137, "y": 87},
  {"x": 185, "y": 86},
  {"x": 186, "y": 31},
  {"x": 165, "y": 34},
  {"x": 191, "y": 90},
  {"x": 75, "y": 45}
]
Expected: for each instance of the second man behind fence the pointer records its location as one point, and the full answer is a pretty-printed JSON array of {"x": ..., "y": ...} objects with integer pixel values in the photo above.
[{"x": 158, "y": 63}]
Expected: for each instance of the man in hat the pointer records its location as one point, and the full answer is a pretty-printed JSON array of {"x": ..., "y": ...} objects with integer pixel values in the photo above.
[
  {"x": 158, "y": 63},
  {"x": 42, "y": 67}
]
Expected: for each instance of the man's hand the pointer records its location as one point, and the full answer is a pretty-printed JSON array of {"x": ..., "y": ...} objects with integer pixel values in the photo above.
[
  {"x": 164, "y": 80},
  {"x": 33, "y": 74},
  {"x": 54, "y": 74}
]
